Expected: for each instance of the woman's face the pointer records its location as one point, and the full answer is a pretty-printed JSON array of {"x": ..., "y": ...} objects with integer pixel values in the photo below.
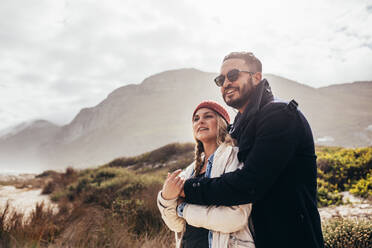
[{"x": 204, "y": 125}]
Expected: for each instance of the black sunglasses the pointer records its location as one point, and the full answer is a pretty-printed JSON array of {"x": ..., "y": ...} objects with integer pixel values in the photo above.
[{"x": 232, "y": 76}]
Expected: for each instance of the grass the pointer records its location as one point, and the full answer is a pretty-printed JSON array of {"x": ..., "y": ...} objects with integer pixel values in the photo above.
[{"x": 115, "y": 205}]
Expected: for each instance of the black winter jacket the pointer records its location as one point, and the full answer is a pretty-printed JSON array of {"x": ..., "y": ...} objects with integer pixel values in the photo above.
[{"x": 278, "y": 177}]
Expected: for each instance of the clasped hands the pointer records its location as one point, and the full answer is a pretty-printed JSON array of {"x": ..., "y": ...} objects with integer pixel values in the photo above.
[{"x": 173, "y": 186}]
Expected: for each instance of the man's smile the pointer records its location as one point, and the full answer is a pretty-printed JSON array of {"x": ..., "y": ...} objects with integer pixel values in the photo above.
[{"x": 230, "y": 91}]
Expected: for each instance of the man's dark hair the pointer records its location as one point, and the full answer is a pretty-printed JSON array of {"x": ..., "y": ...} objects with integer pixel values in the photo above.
[{"x": 249, "y": 58}]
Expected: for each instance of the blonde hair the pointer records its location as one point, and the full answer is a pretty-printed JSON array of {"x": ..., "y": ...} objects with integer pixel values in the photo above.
[{"x": 222, "y": 137}]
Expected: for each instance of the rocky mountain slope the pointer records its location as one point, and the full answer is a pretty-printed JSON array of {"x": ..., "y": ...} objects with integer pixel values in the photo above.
[{"x": 140, "y": 117}]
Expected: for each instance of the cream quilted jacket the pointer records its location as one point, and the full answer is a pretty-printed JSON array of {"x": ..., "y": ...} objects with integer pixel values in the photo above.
[{"x": 229, "y": 225}]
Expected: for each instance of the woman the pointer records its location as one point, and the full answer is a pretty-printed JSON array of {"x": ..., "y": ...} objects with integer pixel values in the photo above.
[{"x": 206, "y": 226}]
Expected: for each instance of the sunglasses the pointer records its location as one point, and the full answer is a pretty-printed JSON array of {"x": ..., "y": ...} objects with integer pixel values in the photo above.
[{"x": 232, "y": 76}]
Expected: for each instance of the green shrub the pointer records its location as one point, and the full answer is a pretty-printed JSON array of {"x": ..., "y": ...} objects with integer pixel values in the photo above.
[
  {"x": 103, "y": 176},
  {"x": 47, "y": 173},
  {"x": 327, "y": 194},
  {"x": 344, "y": 167},
  {"x": 363, "y": 187},
  {"x": 160, "y": 155},
  {"x": 347, "y": 233},
  {"x": 57, "y": 195}
]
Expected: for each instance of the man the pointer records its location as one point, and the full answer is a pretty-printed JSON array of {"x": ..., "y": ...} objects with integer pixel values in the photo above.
[{"x": 277, "y": 148}]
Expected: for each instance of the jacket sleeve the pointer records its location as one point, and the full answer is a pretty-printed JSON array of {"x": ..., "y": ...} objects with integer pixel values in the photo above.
[
  {"x": 168, "y": 208},
  {"x": 217, "y": 218},
  {"x": 169, "y": 215},
  {"x": 274, "y": 146}
]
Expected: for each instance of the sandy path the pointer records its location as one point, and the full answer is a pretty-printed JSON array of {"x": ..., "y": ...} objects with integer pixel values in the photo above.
[
  {"x": 356, "y": 207},
  {"x": 22, "y": 200}
]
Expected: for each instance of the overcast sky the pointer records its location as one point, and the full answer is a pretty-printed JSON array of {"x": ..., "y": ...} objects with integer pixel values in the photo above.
[{"x": 57, "y": 57}]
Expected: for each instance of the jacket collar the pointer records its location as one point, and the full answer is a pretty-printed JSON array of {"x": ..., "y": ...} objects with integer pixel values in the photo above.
[{"x": 261, "y": 96}]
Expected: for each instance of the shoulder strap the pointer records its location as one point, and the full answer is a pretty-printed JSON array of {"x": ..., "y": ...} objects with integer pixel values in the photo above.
[{"x": 292, "y": 105}]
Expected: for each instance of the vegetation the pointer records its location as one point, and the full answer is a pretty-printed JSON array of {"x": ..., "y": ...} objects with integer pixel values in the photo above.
[
  {"x": 351, "y": 233},
  {"x": 115, "y": 205},
  {"x": 111, "y": 206},
  {"x": 341, "y": 169},
  {"x": 363, "y": 187},
  {"x": 327, "y": 194},
  {"x": 172, "y": 156}
]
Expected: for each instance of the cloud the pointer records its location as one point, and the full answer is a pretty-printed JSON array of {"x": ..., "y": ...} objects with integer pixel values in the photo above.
[
  {"x": 369, "y": 8},
  {"x": 61, "y": 56},
  {"x": 369, "y": 45},
  {"x": 325, "y": 139}
]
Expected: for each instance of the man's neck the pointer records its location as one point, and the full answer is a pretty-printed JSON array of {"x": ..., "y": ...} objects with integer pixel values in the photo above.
[
  {"x": 241, "y": 110},
  {"x": 251, "y": 98}
]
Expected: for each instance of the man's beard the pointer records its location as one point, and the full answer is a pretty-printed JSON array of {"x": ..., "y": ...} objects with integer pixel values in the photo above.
[{"x": 245, "y": 94}]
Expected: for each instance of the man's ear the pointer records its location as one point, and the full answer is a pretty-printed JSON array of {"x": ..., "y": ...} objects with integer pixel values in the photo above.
[{"x": 257, "y": 77}]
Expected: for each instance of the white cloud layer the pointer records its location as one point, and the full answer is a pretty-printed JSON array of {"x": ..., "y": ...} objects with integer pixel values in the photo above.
[{"x": 60, "y": 56}]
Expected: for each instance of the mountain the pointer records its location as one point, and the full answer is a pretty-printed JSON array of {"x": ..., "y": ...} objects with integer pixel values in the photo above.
[
  {"x": 21, "y": 145},
  {"x": 134, "y": 118},
  {"x": 141, "y": 117},
  {"x": 351, "y": 121}
]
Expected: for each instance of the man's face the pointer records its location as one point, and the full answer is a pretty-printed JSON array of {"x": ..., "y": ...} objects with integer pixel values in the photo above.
[{"x": 237, "y": 94}]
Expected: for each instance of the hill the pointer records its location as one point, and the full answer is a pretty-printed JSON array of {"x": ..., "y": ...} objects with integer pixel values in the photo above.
[{"x": 140, "y": 117}]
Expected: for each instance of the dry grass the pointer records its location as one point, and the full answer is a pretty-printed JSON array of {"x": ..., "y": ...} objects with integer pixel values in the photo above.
[
  {"x": 40, "y": 228},
  {"x": 84, "y": 226}
]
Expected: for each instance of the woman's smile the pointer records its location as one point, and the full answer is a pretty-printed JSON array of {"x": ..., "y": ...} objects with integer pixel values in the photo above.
[{"x": 200, "y": 129}]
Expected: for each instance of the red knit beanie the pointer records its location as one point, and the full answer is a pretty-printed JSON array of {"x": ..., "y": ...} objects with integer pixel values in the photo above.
[{"x": 214, "y": 106}]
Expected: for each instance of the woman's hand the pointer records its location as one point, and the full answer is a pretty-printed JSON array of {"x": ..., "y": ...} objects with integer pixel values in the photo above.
[{"x": 172, "y": 185}]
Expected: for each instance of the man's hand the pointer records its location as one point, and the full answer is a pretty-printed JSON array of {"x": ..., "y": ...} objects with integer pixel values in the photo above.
[{"x": 172, "y": 185}]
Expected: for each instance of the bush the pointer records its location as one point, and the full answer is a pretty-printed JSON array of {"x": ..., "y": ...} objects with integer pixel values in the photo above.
[
  {"x": 327, "y": 194},
  {"x": 47, "y": 173},
  {"x": 344, "y": 167},
  {"x": 58, "y": 195},
  {"x": 57, "y": 181},
  {"x": 159, "y": 156},
  {"x": 363, "y": 187},
  {"x": 350, "y": 233},
  {"x": 48, "y": 188}
]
